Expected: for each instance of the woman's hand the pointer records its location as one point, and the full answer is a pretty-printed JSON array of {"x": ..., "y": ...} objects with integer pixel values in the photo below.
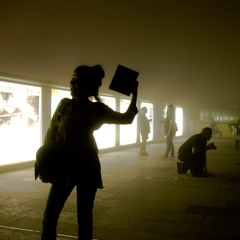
[{"x": 134, "y": 88}]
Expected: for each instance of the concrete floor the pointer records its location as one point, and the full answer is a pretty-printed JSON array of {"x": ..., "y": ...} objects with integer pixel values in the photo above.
[{"x": 143, "y": 199}]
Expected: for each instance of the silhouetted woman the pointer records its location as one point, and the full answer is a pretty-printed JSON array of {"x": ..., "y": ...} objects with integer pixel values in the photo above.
[
  {"x": 80, "y": 166},
  {"x": 169, "y": 131}
]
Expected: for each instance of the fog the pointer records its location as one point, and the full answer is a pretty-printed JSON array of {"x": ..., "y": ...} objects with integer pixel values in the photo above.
[{"x": 187, "y": 52}]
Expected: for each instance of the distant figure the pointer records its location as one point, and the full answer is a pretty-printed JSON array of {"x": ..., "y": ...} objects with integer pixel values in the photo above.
[
  {"x": 214, "y": 127},
  {"x": 80, "y": 162},
  {"x": 144, "y": 130},
  {"x": 170, "y": 131},
  {"x": 192, "y": 153}
]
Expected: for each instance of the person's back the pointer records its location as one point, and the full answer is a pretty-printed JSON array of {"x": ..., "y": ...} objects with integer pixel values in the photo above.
[{"x": 196, "y": 140}]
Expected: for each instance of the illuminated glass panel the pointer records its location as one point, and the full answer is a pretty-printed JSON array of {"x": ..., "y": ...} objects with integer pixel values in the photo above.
[
  {"x": 149, "y": 115},
  {"x": 57, "y": 95},
  {"x": 179, "y": 120},
  {"x": 19, "y": 122},
  {"x": 105, "y": 136},
  {"x": 128, "y": 132}
]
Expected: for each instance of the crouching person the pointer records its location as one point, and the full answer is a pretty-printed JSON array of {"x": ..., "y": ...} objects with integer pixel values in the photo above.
[{"x": 192, "y": 153}]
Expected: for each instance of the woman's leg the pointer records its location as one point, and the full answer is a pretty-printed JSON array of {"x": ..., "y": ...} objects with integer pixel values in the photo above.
[
  {"x": 85, "y": 201},
  {"x": 171, "y": 146},
  {"x": 168, "y": 143},
  {"x": 57, "y": 196}
]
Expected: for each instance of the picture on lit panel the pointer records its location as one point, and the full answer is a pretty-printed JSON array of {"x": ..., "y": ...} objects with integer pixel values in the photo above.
[{"x": 19, "y": 122}]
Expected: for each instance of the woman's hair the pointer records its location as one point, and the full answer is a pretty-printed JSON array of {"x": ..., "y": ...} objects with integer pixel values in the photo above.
[
  {"x": 88, "y": 78},
  {"x": 171, "y": 106},
  {"x": 143, "y": 109}
]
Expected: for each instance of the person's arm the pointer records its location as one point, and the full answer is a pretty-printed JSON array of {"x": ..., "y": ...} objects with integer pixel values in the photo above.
[
  {"x": 134, "y": 91},
  {"x": 112, "y": 117},
  {"x": 196, "y": 150},
  {"x": 161, "y": 121}
]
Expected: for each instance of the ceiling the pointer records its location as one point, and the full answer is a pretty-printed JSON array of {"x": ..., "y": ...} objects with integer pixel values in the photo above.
[{"x": 186, "y": 52}]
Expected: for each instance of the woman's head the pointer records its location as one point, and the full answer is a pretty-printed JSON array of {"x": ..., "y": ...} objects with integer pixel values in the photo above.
[
  {"x": 86, "y": 81},
  {"x": 169, "y": 109},
  {"x": 144, "y": 110}
]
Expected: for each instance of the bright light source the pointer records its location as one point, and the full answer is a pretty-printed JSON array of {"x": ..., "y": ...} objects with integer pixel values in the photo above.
[
  {"x": 105, "y": 136},
  {"x": 128, "y": 132},
  {"x": 19, "y": 122},
  {"x": 179, "y": 120}
]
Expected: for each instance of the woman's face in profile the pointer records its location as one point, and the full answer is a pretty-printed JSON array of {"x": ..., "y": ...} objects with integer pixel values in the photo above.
[{"x": 93, "y": 88}]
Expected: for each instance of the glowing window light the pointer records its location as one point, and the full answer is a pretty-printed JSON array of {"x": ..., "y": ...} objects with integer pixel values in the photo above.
[
  {"x": 128, "y": 133},
  {"x": 179, "y": 120},
  {"x": 149, "y": 115},
  {"x": 104, "y": 136},
  {"x": 19, "y": 122}
]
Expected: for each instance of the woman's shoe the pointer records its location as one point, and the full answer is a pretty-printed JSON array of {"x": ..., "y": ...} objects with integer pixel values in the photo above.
[
  {"x": 145, "y": 154},
  {"x": 164, "y": 156},
  {"x": 141, "y": 154}
]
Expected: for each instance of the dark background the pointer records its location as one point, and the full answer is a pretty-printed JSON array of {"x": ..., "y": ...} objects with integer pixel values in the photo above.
[{"x": 187, "y": 52}]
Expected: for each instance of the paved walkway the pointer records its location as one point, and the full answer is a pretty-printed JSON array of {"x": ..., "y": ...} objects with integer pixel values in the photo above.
[{"x": 143, "y": 199}]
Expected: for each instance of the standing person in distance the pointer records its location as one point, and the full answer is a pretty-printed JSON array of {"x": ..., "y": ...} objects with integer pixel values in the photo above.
[
  {"x": 169, "y": 131},
  {"x": 144, "y": 130},
  {"x": 80, "y": 163}
]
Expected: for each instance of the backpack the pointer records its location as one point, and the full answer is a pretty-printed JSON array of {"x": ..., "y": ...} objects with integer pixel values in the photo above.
[{"x": 47, "y": 162}]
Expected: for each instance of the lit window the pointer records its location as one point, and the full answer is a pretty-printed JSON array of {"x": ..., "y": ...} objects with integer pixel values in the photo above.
[
  {"x": 128, "y": 132},
  {"x": 105, "y": 136},
  {"x": 179, "y": 120},
  {"x": 19, "y": 122}
]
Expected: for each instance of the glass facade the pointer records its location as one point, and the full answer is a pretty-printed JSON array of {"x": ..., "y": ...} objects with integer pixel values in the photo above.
[
  {"x": 150, "y": 116},
  {"x": 19, "y": 122},
  {"x": 21, "y": 125},
  {"x": 128, "y": 133},
  {"x": 220, "y": 115}
]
